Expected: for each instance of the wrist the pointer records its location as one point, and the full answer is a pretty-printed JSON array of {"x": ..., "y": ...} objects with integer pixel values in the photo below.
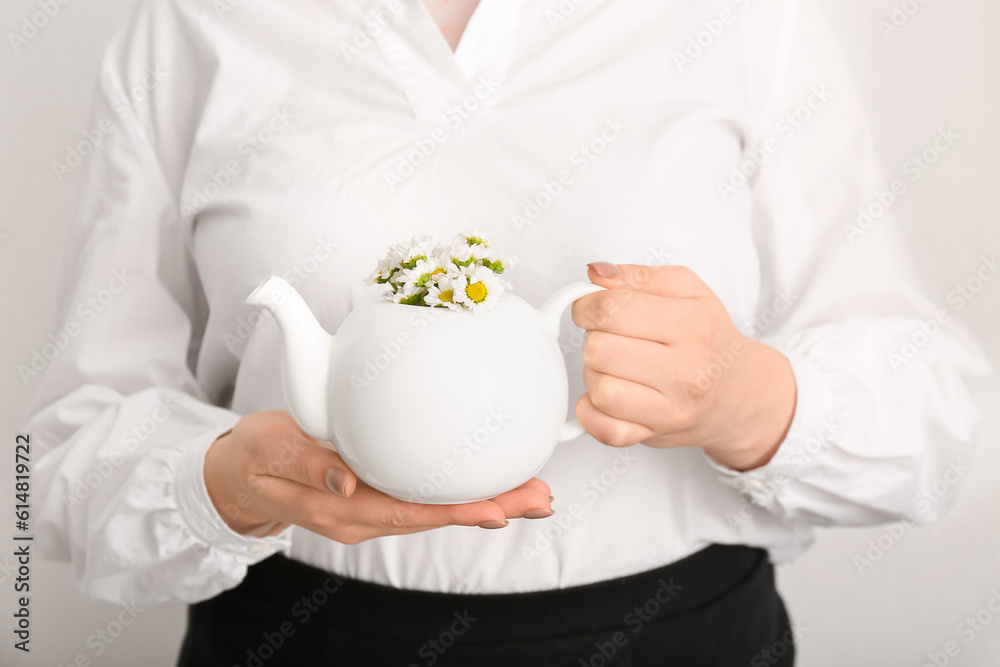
[
  {"x": 765, "y": 394},
  {"x": 232, "y": 500}
]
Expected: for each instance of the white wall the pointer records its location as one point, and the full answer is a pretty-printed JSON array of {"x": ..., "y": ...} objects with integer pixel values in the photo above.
[{"x": 942, "y": 68}]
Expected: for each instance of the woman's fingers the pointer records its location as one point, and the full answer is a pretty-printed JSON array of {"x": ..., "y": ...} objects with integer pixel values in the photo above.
[
  {"x": 607, "y": 429},
  {"x": 639, "y": 315},
  {"x": 624, "y": 399},
  {"x": 307, "y": 462},
  {"x": 538, "y": 485},
  {"x": 622, "y": 312},
  {"x": 398, "y": 515},
  {"x": 643, "y": 361},
  {"x": 528, "y": 501},
  {"x": 369, "y": 513},
  {"x": 321, "y": 512}
]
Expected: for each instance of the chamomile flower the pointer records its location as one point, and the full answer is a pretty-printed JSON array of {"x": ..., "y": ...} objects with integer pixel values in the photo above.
[
  {"x": 410, "y": 295},
  {"x": 420, "y": 247},
  {"x": 479, "y": 292},
  {"x": 396, "y": 251},
  {"x": 443, "y": 256},
  {"x": 493, "y": 260},
  {"x": 383, "y": 273},
  {"x": 446, "y": 267},
  {"x": 441, "y": 293},
  {"x": 462, "y": 254},
  {"x": 461, "y": 275},
  {"x": 423, "y": 272},
  {"x": 472, "y": 237}
]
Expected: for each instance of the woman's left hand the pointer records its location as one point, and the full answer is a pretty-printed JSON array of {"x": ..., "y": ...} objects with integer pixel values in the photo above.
[{"x": 665, "y": 366}]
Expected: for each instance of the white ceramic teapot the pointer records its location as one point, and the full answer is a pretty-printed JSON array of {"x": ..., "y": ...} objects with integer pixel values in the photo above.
[{"x": 428, "y": 404}]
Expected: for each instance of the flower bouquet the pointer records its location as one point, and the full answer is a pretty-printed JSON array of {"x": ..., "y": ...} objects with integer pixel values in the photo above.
[{"x": 462, "y": 275}]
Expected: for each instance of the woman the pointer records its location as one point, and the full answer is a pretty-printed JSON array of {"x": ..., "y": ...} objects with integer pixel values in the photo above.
[{"x": 708, "y": 162}]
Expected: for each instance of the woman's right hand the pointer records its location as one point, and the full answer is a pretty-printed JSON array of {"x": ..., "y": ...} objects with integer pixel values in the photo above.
[{"x": 267, "y": 473}]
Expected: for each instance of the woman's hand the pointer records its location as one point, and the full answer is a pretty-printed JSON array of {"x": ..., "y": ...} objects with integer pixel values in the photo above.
[
  {"x": 266, "y": 474},
  {"x": 666, "y": 366}
]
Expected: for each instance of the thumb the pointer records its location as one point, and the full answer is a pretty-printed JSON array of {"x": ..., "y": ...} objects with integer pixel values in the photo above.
[{"x": 323, "y": 469}]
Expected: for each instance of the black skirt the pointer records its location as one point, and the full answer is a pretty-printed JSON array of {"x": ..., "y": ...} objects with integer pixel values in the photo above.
[{"x": 718, "y": 607}]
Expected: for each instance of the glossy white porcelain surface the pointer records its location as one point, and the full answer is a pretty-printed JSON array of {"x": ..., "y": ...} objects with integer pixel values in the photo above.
[{"x": 428, "y": 404}]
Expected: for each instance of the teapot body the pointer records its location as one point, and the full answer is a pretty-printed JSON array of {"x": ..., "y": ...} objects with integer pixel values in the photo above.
[{"x": 435, "y": 406}]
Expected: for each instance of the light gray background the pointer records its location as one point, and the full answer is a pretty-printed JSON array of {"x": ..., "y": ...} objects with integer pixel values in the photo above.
[{"x": 942, "y": 68}]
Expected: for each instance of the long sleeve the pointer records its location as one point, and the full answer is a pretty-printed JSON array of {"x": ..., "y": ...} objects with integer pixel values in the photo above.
[
  {"x": 885, "y": 415},
  {"x": 120, "y": 420}
]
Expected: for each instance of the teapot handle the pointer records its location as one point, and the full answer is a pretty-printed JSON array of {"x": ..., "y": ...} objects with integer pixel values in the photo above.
[{"x": 551, "y": 313}]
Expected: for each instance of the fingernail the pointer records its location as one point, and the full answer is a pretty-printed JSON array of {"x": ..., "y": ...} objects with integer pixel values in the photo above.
[
  {"x": 336, "y": 481},
  {"x": 538, "y": 514},
  {"x": 492, "y": 525},
  {"x": 606, "y": 269}
]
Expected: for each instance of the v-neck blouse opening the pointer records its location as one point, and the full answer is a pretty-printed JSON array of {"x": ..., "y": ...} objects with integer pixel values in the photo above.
[{"x": 434, "y": 77}]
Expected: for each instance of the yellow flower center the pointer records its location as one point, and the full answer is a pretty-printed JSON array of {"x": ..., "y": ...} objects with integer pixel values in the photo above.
[
  {"x": 437, "y": 271},
  {"x": 476, "y": 292},
  {"x": 446, "y": 295}
]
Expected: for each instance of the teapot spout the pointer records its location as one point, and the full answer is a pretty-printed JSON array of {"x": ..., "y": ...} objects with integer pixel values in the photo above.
[{"x": 305, "y": 355}]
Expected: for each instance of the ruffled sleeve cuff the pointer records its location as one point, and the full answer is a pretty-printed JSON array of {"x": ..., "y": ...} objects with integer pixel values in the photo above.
[
  {"x": 809, "y": 433},
  {"x": 203, "y": 521}
]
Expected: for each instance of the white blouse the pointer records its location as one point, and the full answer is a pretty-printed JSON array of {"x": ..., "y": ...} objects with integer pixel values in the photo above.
[{"x": 300, "y": 138}]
